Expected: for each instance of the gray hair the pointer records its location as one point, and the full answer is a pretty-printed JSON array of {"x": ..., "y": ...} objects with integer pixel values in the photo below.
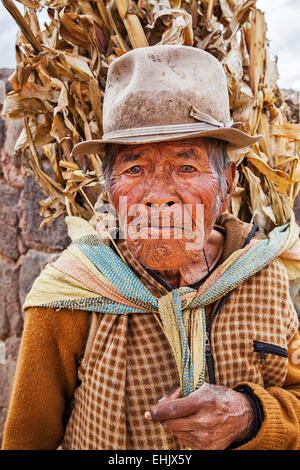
[
  {"x": 108, "y": 162},
  {"x": 216, "y": 150},
  {"x": 218, "y": 156}
]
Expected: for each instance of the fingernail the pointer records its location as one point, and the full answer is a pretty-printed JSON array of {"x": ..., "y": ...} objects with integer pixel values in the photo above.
[{"x": 148, "y": 415}]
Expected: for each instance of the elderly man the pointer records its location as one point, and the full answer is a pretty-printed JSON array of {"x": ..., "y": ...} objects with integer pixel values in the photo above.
[{"x": 193, "y": 341}]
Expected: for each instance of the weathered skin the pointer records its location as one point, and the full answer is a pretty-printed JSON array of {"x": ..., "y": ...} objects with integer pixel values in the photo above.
[
  {"x": 211, "y": 418},
  {"x": 170, "y": 174}
]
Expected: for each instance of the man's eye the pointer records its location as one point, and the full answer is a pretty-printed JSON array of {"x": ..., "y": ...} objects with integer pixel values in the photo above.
[
  {"x": 134, "y": 170},
  {"x": 187, "y": 169}
]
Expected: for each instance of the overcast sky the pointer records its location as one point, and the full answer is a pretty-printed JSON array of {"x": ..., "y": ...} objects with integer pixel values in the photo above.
[{"x": 283, "y": 21}]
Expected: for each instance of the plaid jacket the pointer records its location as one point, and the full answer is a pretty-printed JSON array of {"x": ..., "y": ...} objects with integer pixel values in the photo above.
[{"x": 130, "y": 365}]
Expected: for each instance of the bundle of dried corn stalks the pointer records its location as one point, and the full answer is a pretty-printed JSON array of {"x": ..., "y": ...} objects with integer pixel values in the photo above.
[{"x": 59, "y": 82}]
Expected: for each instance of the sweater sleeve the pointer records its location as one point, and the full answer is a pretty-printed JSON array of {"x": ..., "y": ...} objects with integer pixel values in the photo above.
[
  {"x": 45, "y": 378},
  {"x": 280, "y": 428}
]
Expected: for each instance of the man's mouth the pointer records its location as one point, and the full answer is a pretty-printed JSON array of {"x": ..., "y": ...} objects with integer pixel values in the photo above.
[{"x": 167, "y": 232}]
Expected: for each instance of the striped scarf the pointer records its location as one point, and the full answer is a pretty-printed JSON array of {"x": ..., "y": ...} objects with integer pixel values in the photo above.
[{"x": 90, "y": 276}]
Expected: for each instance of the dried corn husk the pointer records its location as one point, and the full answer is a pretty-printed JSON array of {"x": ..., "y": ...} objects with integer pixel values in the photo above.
[{"x": 59, "y": 82}]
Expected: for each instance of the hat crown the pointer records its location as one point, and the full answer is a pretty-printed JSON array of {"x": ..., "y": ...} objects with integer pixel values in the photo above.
[
  {"x": 166, "y": 93},
  {"x": 158, "y": 85}
]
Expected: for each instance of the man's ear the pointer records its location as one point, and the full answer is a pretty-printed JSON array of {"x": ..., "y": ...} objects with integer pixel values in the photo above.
[{"x": 229, "y": 177}]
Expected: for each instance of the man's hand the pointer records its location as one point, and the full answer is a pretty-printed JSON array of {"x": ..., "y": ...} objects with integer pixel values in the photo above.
[{"x": 211, "y": 418}]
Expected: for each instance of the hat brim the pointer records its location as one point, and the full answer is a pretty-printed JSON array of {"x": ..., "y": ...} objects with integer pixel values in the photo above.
[{"x": 236, "y": 139}]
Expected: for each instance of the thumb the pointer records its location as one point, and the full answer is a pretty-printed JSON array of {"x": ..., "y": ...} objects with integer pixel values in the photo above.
[{"x": 173, "y": 394}]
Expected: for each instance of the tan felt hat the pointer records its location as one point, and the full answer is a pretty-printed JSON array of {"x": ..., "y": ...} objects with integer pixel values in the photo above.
[{"x": 166, "y": 93}]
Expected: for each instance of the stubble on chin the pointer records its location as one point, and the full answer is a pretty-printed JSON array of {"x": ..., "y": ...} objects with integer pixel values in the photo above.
[{"x": 162, "y": 255}]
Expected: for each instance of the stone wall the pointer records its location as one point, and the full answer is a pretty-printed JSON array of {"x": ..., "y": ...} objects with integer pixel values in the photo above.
[{"x": 24, "y": 248}]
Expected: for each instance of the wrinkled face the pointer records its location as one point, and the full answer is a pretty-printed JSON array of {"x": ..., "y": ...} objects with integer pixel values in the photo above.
[{"x": 168, "y": 197}]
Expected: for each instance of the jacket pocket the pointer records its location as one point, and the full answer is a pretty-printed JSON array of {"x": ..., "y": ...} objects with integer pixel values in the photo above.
[{"x": 267, "y": 348}]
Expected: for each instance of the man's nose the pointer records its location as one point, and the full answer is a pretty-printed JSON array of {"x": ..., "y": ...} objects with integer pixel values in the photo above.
[
  {"x": 161, "y": 197},
  {"x": 165, "y": 202},
  {"x": 161, "y": 192}
]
